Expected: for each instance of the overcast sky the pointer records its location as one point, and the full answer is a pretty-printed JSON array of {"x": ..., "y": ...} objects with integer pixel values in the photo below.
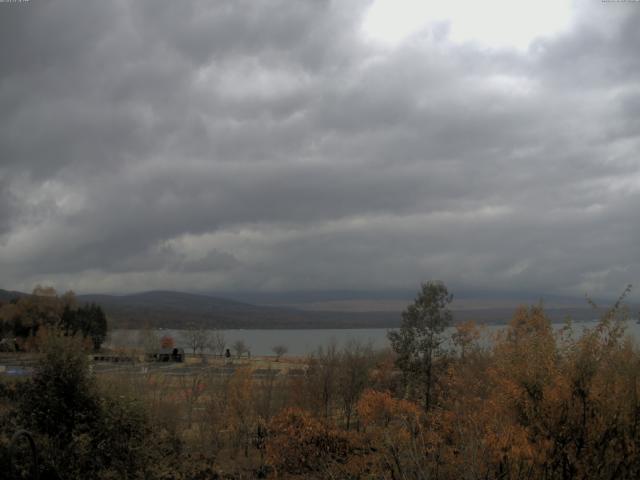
[{"x": 309, "y": 144}]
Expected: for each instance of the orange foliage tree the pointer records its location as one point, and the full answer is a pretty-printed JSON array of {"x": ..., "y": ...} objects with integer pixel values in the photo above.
[
  {"x": 167, "y": 342},
  {"x": 300, "y": 444},
  {"x": 240, "y": 408}
]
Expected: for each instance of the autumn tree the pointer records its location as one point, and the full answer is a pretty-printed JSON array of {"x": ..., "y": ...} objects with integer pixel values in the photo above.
[
  {"x": 301, "y": 445},
  {"x": 218, "y": 343},
  {"x": 197, "y": 338},
  {"x": 61, "y": 394},
  {"x": 149, "y": 340},
  {"x": 80, "y": 432},
  {"x": 595, "y": 416},
  {"x": 28, "y": 313},
  {"x": 417, "y": 343},
  {"x": 269, "y": 392},
  {"x": 192, "y": 387},
  {"x": 353, "y": 375},
  {"x": 240, "y": 348},
  {"x": 549, "y": 405},
  {"x": 167, "y": 342},
  {"x": 322, "y": 378},
  {"x": 44, "y": 308},
  {"x": 465, "y": 337},
  {"x": 44, "y": 291},
  {"x": 89, "y": 320},
  {"x": 240, "y": 410},
  {"x": 394, "y": 430},
  {"x": 279, "y": 351}
]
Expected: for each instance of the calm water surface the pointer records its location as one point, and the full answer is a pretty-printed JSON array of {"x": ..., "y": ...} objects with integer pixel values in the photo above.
[{"x": 303, "y": 342}]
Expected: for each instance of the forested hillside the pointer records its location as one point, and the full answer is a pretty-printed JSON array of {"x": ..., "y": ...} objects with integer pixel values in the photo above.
[{"x": 168, "y": 309}]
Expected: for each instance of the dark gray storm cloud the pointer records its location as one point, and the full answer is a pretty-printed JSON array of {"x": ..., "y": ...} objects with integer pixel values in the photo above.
[{"x": 273, "y": 146}]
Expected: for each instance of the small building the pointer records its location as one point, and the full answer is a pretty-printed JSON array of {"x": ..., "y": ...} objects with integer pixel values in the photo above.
[{"x": 169, "y": 355}]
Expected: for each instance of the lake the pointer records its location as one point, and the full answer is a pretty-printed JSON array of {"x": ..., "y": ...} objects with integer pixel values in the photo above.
[{"x": 304, "y": 342}]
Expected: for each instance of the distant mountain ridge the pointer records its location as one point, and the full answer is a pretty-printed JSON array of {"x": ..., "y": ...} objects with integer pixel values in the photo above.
[
  {"x": 7, "y": 295},
  {"x": 172, "y": 309}
]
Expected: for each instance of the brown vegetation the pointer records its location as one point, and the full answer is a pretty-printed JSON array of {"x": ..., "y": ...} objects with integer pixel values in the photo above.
[{"x": 536, "y": 404}]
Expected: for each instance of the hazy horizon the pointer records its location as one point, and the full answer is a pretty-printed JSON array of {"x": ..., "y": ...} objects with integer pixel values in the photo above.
[{"x": 374, "y": 300}]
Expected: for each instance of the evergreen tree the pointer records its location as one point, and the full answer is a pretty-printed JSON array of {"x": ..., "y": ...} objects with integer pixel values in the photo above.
[{"x": 418, "y": 341}]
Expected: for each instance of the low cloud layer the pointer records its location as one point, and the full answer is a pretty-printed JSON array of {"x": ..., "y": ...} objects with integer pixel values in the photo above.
[{"x": 265, "y": 146}]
